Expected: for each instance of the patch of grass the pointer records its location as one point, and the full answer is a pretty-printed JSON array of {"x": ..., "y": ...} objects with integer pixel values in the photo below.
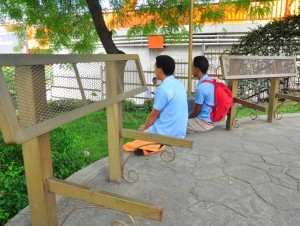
[
  {"x": 283, "y": 108},
  {"x": 90, "y": 132}
]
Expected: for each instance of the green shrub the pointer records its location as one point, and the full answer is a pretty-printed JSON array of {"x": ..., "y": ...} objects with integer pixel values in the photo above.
[
  {"x": 148, "y": 104},
  {"x": 128, "y": 105},
  {"x": 64, "y": 105},
  {"x": 13, "y": 191},
  {"x": 66, "y": 160}
]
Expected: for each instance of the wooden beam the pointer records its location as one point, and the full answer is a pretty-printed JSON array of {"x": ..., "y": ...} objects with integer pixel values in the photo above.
[
  {"x": 233, "y": 84},
  {"x": 157, "y": 138},
  {"x": 31, "y": 91},
  {"x": 105, "y": 199},
  {"x": 286, "y": 96},
  {"x": 114, "y": 123},
  {"x": 38, "y": 167},
  {"x": 43, "y": 127},
  {"x": 273, "y": 99},
  {"x": 249, "y": 104},
  {"x": 8, "y": 119},
  {"x": 44, "y": 59}
]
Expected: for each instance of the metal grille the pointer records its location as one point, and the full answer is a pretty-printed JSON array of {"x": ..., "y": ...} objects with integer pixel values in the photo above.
[
  {"x": 42, "y": 92},
  {"x": 237, "y": 67}
]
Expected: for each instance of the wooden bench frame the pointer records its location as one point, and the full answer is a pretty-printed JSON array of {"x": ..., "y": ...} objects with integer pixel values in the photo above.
[
  {"x": 231, "y": 71},
  {"x": 35, "y": 139}
]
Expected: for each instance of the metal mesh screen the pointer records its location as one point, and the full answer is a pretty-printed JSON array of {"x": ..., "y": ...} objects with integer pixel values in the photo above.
[
  {"x": 41, "y": 92},
  {"x": 256, "y": 67}
]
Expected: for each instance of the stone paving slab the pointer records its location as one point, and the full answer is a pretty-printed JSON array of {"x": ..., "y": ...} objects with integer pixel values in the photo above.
[{"x": 246, "y": 176}]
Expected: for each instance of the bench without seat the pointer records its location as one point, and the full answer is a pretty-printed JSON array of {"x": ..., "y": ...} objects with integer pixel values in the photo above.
[{"x": 235, "y": 68}]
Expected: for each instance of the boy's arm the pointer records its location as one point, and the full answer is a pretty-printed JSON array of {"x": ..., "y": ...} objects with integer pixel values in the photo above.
[
  {"x": 195, "y": 111},
  {"x": 152, "y": 117}
]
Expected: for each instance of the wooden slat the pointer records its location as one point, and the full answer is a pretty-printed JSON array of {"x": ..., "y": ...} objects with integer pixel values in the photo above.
[
  {"x": 38, "y": 167},
  {"x": 273, "y": 99},
  {"x": 286, "y": 96},
  {"x": 249, "y": 104},
  {"x": 8, "y": 119},
  {"x": 140, "y": 72},
  {"x": 28, "y": 133},
  {"x": 229, "y": 61},
  {"x": 105, "y": 199},
  {"x": 20, "y": 134},
  {"x": 230, "y": 117},
  {"x": 114, "y": 122},
  {"x": 157, "y": 138},
  {"x": 43, "y": 59}
]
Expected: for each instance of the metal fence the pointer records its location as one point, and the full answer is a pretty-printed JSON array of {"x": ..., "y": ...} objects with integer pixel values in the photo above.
[{"x": 254, "y": 90}]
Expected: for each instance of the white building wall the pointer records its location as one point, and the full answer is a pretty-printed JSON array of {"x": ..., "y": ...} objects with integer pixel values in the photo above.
[{"x": 180, "y": 52}]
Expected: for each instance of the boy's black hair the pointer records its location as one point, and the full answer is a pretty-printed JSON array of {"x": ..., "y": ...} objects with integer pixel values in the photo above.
[
  {"x": 201, "y": 62},
  {"x": 166, "y": 63}
]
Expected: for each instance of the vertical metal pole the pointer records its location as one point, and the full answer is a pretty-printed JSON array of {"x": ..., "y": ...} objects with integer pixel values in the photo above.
[{"x": 190, "y": 59}]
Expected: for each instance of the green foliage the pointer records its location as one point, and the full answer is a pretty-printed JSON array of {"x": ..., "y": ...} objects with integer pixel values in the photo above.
[
  {"x": 148, "y": 104},
  {"x": 128, "y": 105},
  {"x": 65, "y": 24},
  {"x": 12, "y": 186},
  {"x": 66, "y": 161},
  {"x": 277, "y": 38},
  {"x": 64, "y": 105},
  {"x": 132, "y": 120},
  {"x": 13, "y": 189},
  {"x": 171, "y": 17},
  {"x": 69, "y": 25},
  {"x": 90, "y": 134}
]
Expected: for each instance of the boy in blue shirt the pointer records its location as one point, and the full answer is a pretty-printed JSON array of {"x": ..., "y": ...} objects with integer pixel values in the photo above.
[
  {"x": 199, "y": 117},
  {"x": 169, "y": 115}
]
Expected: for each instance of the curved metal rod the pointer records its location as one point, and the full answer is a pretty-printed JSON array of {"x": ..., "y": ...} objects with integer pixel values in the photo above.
[
  {"x": 98, "y": 207},
  {"x": 253, "y": 116},
  {"x": 225, "y": 51},
  {"x": 171, "y": 153},
  {"x": 278, "y": 114},
  {"x": 121, "y": 222},
  {"x": 133, "y": 173},
  {"x": 130, "y": 172}
]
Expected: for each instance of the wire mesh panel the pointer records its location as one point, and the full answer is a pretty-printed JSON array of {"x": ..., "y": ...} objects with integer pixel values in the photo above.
[
  {"x": 42, "y": 92},
  {"x": 244, "y": 67}
]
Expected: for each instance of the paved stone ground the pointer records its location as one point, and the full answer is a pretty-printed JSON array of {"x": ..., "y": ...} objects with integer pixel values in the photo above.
[{"x": 246, "y": 176}]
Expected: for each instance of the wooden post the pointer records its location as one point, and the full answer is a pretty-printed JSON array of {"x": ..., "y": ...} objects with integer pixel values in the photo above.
[
  {"x": 38, "y": 168},
  {"x": 190, "y": 56},
  {"x": 230, "y": 117},
  {"x": 114, "y": 124},
  {"x": 31, "y": 89},
  {"x": 273, "y": 99}
]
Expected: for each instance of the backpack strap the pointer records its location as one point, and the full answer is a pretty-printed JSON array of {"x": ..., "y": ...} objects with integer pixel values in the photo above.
[
  {"x": 208, "y": 81},
  {"x": 211, "y": 82}
]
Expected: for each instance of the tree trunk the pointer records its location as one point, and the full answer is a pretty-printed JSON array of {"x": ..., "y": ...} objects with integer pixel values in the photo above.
[{"x": 104, "y": 34}]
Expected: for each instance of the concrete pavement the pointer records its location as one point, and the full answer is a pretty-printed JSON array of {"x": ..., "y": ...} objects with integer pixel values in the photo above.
[{"x": 246, "y": 176}]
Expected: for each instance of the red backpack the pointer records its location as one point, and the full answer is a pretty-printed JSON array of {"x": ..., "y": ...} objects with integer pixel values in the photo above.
[{"x": 223, "y": 101}]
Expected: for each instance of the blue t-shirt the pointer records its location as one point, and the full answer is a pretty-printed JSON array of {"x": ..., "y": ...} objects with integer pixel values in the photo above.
[
  {"x": 205, "y": 97},
  {"x": 171, "y": 100}
]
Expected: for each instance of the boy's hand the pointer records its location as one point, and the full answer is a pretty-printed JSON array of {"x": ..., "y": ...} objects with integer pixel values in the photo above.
[{"x": 141, "y": 128}]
